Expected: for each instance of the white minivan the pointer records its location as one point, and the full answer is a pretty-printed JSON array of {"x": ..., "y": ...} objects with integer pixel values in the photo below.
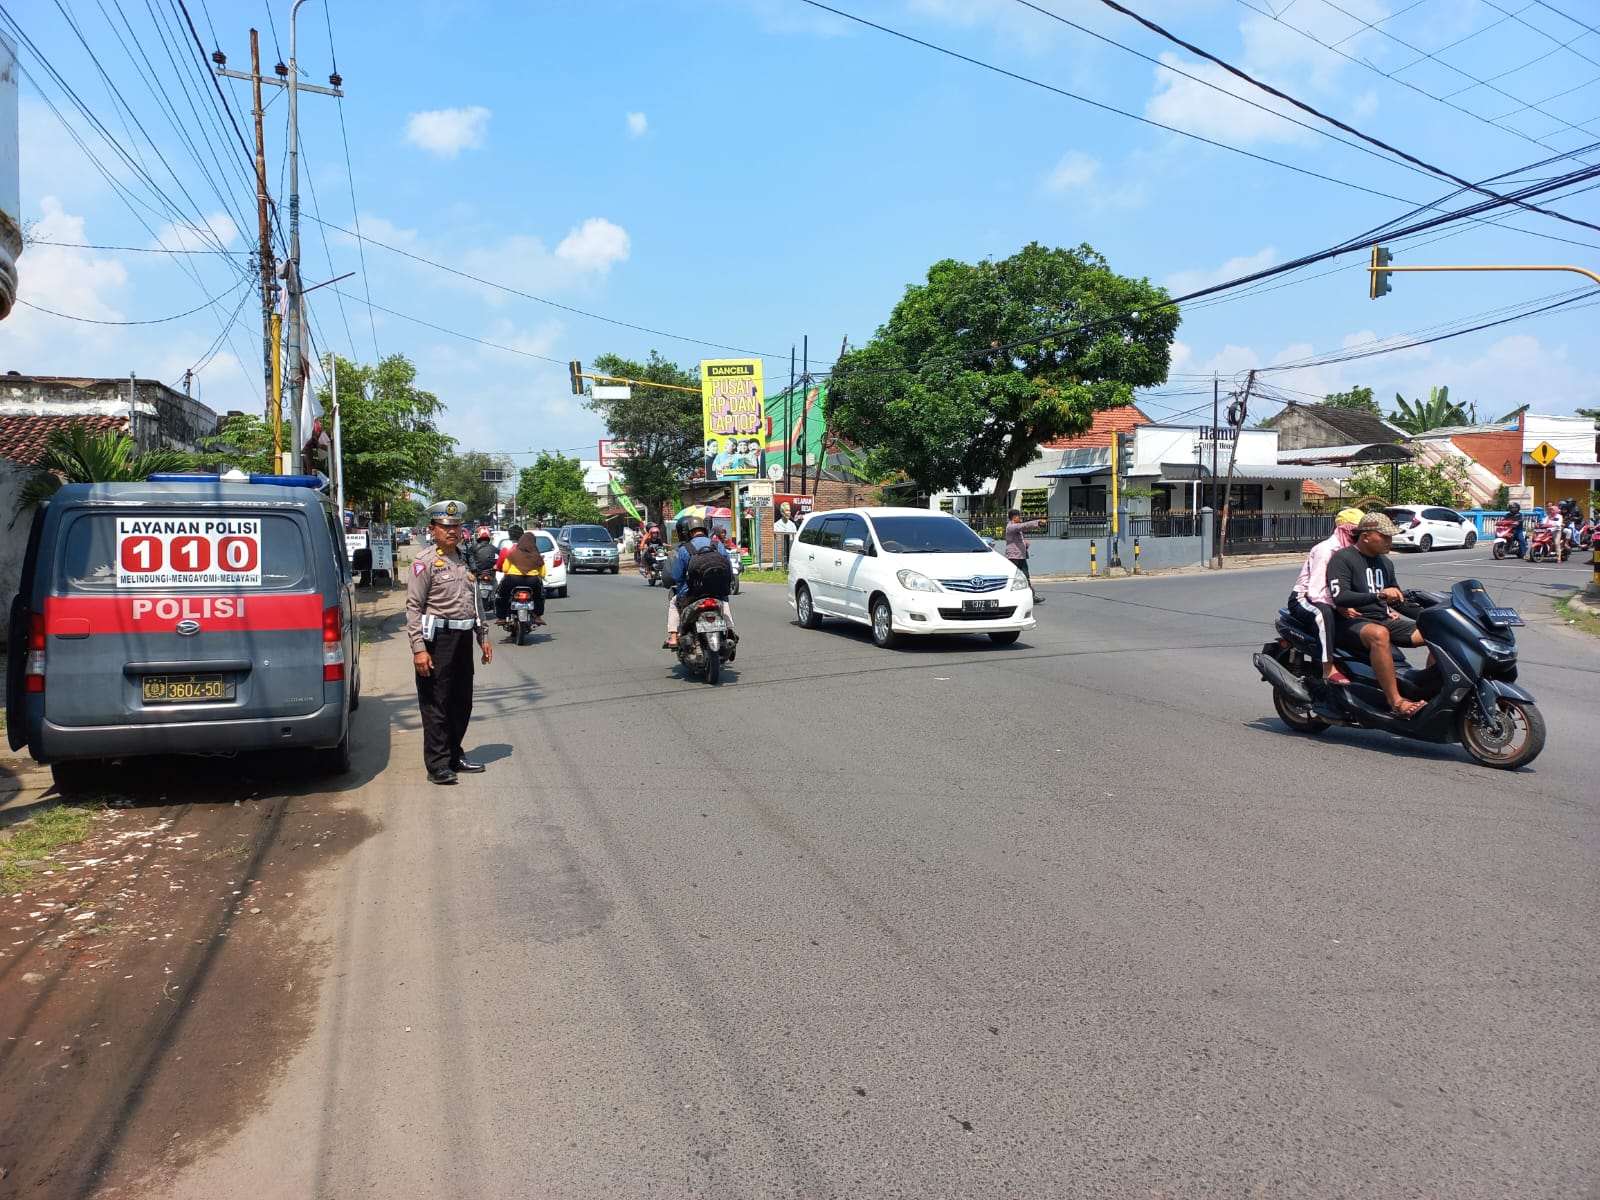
[{"x": 905, "y": 571}]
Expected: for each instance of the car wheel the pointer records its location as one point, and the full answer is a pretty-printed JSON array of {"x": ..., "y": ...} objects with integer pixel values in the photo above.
[
  {"x": 614, "y": 570},
  {"x": 1425, "y": 542},
  {"x": 804, "y": 612},
  {"x": 1004, "y": 637},
  {"x": 335, "y": 760},
  {"x": 883, "y": 634},
  {"x": 355, "y": 689},
  {"x": 78, "y": 776},
  {"x": 1472, "y": 540}
]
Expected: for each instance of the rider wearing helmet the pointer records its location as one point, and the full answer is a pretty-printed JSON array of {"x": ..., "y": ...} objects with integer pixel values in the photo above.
[
  {"x": 692, "y": 536},
  {"x": 483, "y": 553},
  {"x": 651, "y": 539},
  {"x": 1519, "y": 535}
]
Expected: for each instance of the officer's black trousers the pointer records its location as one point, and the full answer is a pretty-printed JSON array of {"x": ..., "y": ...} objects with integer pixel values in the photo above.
[{"x": 445, "y": 698}]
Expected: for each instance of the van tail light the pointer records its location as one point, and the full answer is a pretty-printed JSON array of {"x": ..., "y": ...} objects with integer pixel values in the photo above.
[
  {"x": 34, "y": 673},
  {"x": 333, "y": 645}
]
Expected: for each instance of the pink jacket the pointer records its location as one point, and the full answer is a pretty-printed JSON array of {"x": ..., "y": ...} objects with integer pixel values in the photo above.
[{"x": 1313, "y": 581}]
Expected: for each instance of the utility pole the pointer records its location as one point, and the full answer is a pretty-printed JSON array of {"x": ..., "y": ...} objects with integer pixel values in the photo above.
[
  {"x": 288, "y": 77},
  {"x": 269, "y": 273},
  {"x": 1238, "y": 413}
]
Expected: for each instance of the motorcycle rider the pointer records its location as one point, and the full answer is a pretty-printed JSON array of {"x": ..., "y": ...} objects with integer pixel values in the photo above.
[
  {"x": 522, "y": 565},
  {"x": 1310, "y": 596},
  {"x": 480, "y": 558},
  {"x": 1362, "y": 582},
  {"x": 692, "y": 536},
  {"x": 1519, "y": 535},
  {"x": 647, "y": 546}
]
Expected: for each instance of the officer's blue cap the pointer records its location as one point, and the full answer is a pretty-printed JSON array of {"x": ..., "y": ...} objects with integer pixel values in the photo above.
[{"x": 447, "y": 512}]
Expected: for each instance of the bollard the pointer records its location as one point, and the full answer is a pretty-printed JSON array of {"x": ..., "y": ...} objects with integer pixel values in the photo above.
[
  {"x": 1136, "y": 555},
  {"x": 1091, "y": 557}
]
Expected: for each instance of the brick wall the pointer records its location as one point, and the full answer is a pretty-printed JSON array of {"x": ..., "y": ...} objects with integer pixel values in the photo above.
[
  {"x": 828, "y": 493},
  {"x": 1498, "y": 453}
]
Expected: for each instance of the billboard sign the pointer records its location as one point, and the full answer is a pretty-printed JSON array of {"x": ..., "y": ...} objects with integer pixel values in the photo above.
[
  {"x": 176, "y": 552},
  {"x": 613, "y": 451},
  {"x": 734, "y": 418}
]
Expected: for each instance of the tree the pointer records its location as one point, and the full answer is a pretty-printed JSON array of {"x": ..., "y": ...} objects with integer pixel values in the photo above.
[
  {"x": 662, "y": 428},
  {"x": 387, "y": 430},
  {"x": 944, "y": 391},
  {"x": 553, "y": 490},
  {"x": 460, "y": 477},
  {"x": 74, "y": 455},
  {"x": 243, "y": 442},
  {"x": 406, "y": 512},
  {"x": 1435, "y": 414},
  {"x": 1357, "y": 397},
  {"x": 1438, "y": 483}
]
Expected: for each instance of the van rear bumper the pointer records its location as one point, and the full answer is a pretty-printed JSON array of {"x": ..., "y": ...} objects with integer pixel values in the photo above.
[{"x": 313, "y": 731}]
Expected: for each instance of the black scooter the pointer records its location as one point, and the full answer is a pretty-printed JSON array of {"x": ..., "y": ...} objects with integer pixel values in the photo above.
[
  {"x": 1471, "y": 695},
  {"x": 705, "y": 641},
  {"x": 655, "y": 565}
]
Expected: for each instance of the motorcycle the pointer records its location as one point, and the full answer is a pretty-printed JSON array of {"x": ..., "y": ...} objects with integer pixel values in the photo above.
[
  {"x": 1545, "y": 542},
  {"x": 737, "y": 560},
  {"x": 1504, "y": 541},
  {"x": 1580, "y": 535},
  {"x": 520, "y": 615},
  {"x": 656, "y": 565},
  {"x": 705, "y": 640},
  {"x": 488, "y": 594},
  {"x": 1470, "y": 694}
]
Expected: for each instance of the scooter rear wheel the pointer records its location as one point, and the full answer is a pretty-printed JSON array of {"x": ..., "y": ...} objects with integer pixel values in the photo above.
[
  {"x": 1518, "y": 741},
  {"x": 1296, "y": 718}
]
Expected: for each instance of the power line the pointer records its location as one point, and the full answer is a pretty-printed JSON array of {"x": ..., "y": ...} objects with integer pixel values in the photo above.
[
  {"x": 457, "y": 333},
  {"x": 543, "y": 299},
  {"x": 350, "y": 177},
  {"x": 1320, "y": 115},
  {"x": 1050, "y": 87},
  {"x": 129, "y": 249},
  {"x": 153, "y": 321}
]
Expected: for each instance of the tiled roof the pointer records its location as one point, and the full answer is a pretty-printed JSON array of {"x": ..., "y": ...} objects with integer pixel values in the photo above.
[
  {"x": 1351, "y": 424},
  {"x": 1106, "y": 422},
  {"x": 1312, "y": 490},
  {"x": 22, "y": 439}
]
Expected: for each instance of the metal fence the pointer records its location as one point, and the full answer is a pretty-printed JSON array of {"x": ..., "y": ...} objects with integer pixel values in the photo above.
[
  {"x": 1270, "y": 532},
  {"x": 1098, "y": 526}
]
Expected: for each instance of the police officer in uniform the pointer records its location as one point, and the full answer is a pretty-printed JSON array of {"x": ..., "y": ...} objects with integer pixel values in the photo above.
[{"x": 443, "y": 622}]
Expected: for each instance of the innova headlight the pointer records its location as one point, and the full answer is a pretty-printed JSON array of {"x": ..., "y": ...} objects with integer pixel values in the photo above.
[
  {"x": 915, "y": 581},
  {"x": 1020, "y": 583}
]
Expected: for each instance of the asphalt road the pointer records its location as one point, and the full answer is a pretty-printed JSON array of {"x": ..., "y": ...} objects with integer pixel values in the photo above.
[{"x": 1073, "y": 917}]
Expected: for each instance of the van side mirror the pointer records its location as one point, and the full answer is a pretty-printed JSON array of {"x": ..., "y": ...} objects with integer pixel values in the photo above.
[{"x": 855, "y": 545}]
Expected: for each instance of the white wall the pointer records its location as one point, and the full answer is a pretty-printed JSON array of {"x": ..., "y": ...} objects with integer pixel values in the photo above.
[
  {"x": 1572, "y": 436},
  {"x": 13, "y": 540}
]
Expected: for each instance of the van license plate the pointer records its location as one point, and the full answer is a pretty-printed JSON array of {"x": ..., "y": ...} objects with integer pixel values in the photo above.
[
  {"x": 185, "y": 689},
  {"x": 975, "y": 605}
]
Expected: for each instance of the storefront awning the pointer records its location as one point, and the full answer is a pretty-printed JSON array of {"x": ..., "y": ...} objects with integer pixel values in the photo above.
[{"x": 1186, "y": 472}]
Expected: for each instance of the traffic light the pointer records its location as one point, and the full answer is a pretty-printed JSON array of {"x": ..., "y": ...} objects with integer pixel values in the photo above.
[
  {"x": 576, "y": 369},
  {"x": 1124, "y": 455},
  {"x": 1378, "y": 278}
]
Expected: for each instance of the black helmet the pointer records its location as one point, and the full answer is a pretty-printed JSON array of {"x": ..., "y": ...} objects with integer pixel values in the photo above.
[
  {"x": 1515, "y": 507},
  {"x": 688, "y": 525}
]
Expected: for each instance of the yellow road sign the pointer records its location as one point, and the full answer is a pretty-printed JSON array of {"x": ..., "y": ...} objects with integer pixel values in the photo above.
[{"x": 1544, "y": 454}]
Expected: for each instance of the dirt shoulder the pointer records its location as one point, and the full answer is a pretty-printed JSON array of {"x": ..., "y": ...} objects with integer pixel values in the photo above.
[{"x": 157, "y": 967}]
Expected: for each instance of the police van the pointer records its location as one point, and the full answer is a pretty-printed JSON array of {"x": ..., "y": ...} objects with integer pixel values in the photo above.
[{"x": 189, "y": 614}]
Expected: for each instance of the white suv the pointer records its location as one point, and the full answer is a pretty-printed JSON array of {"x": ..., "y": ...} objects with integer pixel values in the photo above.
[{"x": 905, "y": 571}]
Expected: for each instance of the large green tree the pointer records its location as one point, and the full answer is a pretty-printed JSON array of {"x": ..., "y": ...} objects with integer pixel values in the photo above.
[
  {"x": 1417, "y": 483},
  {"x": 388, "y": 427},
  {"x": 662, "y": 427},
  {"x": 552, "y": 489},
  {"x": 244, "y": 442},
  {"x": 979, "y": 365},
  {"x": 1358, "y": 397},
  {"x": 460, "y": 477}
]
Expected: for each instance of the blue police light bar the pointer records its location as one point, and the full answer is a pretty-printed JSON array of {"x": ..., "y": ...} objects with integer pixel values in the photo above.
[{"x": 315, "y": 482}]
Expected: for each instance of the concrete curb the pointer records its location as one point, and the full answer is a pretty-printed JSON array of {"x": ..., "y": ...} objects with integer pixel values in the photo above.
[{"x": 1582, "y": 602}]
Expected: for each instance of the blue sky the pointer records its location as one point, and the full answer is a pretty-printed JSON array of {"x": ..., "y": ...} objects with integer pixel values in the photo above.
[{"x": 748, "y": 172}]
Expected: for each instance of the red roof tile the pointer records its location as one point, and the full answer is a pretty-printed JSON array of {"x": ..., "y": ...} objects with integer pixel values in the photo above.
[
  {"x": 1106, "y": 422},
  {"x": 1310, "y": 489},
  {"x": 22, "y": 439}
]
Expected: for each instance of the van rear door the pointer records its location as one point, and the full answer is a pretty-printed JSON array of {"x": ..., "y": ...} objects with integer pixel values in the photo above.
[{"x": 168, "y": 614}]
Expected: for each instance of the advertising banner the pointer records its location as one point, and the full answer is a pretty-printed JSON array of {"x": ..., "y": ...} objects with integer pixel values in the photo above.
[
  {"x": 734, "y": 418},
  {"x": 789, "y": 511},
  {"x": 179, "y": 552}
]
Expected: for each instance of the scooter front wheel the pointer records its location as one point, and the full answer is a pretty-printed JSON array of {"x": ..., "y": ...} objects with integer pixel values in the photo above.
[
  {"x": 1499, "y": 549},
  {"x": 1511, "y": 738}
]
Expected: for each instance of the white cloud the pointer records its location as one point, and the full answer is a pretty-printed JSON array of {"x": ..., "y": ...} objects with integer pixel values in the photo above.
[
  {"x": 637, "y": 124},
  {"x": 448, "y": 131},
  {"x": 594, "y": 246},
  {"x": 1181, "y": 283},
  {"x": 1190, "y": 105},
  {"x": 188, "y": 236},
  {"x": 63, "y": 280},
  {"x": 1075, "y": 170}
]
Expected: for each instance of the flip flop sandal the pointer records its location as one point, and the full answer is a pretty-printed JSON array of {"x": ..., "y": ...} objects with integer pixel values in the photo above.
[
  {"x": 1337, "y": 677},
  {"x": 1407, "y": 708}
]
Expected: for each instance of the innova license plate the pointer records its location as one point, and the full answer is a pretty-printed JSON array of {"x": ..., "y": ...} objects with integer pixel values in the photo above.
[
  {"x": 975, "y": 605},
  {"x": 185, "y": 689}
]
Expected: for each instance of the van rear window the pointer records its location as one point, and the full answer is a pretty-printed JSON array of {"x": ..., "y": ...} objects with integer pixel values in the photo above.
[{"x": 268, "y": 551}]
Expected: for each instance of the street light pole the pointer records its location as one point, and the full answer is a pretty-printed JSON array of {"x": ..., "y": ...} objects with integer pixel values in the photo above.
[{"x": 296, "y": 300}]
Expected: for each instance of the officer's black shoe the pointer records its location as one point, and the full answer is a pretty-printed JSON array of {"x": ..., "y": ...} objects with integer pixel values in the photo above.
[
  {"x": 441, "y": 776},
  {"x": 467, "y": 766}
]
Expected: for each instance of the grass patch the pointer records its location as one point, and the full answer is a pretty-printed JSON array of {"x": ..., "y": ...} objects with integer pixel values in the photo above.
[
  {"x": 1578, "y": 618},
  {"x": 29, "y": 845},
  {"x": 759, "y": 575}
]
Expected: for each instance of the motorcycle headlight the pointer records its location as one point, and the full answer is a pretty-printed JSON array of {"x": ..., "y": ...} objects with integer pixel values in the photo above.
[
  {"x": 1495, "y": 648},
  {"x": 1020, "y": 583},
  {"x": 915, "y": 581}
]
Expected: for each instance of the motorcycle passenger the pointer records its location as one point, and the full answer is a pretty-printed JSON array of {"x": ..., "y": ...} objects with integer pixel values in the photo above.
[
  {"x": 521, "y": 565},
  {"x": 692, "y": 536},
  {"x": 646, "y": 548},
  {"x": 1361, "y": 580},
  {"x": 1310, "y": 597},
  {"x": 1519, "y": 535}
]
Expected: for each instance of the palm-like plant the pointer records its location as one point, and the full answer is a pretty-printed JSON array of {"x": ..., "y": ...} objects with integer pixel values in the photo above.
[
  {"x": 1419, "y": 417},
  {"x": 74, "y": 455}
]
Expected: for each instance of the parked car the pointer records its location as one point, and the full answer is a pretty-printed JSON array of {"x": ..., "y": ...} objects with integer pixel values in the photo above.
[
  {"x": 903, "y": 571},
  {"x": 1426, "y": 526},
  {"x": 402, "y": 537},
  {"x": 189, "y": 614},
  {"x": 589, "y": 548},
  {"x": 555, "y": 561}
]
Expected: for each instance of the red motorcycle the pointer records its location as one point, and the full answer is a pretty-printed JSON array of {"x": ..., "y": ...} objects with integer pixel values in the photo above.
[
  {"x": 1545, "y": 542},
  {"x": 1505, "y": 529}
]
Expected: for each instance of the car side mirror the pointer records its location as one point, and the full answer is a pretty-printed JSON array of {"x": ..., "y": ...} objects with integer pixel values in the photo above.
[{"x": 855, "y": 545}]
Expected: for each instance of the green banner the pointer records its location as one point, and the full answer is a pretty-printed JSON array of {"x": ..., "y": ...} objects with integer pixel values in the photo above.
[{"x": 624, "y": 501}]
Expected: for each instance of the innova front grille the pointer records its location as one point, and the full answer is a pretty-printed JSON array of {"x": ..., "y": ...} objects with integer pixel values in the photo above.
[{"x": 976, "y": 583}]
